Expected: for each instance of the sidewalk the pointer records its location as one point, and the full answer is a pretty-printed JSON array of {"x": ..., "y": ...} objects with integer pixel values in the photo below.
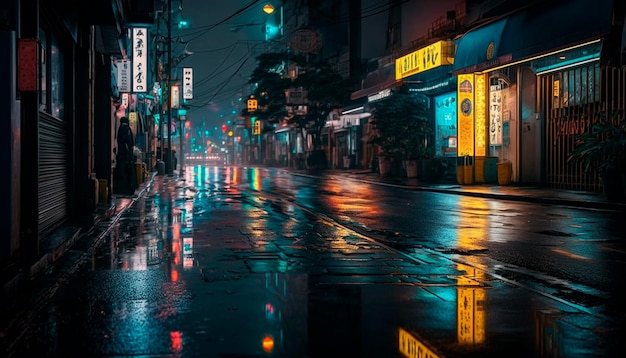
[
  {"x": 509, "y": 192},
  {"x": 64, "y": 239}
]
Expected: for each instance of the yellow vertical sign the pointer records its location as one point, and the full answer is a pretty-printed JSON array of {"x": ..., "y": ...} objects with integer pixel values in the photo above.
[
  {"x": 257, "y": 127},
  {"x": 465, "y": 121},
  {"x": 480, "y": 115}
]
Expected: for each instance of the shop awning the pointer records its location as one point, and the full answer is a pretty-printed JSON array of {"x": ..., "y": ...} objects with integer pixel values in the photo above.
[
  {"x": 531, "y": 32},
  {"x": 432, "y": 82},
  {"x": 377, "y": 81},
  {"x": 283, "y": 128},
  {"x": 353, "y": 119}
]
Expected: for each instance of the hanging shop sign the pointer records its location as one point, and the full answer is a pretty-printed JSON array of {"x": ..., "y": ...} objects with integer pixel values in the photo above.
[
  {"x": 187, "y": 83},
  {"x": 140, "y": 59},
  {"x": 495, "y": 115},
  {"x": 121, "y": 75},
  {"x": 465, "y": 95},
  {"x": 28, "y": 64},
  {"x": 472, "y": 114},
  {"x": 480, "y": 115},
  {"x": 424, "y": 59},
  {"x": 175, "y": 97}
]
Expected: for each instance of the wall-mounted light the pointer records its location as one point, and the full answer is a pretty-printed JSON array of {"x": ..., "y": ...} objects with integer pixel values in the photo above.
[{"x": 268, "y": 8}]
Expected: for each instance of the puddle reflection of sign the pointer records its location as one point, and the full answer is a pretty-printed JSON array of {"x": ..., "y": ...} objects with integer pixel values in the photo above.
[
  {"x": 411, "y": 347},
  {"x": 187, "y": 252}
]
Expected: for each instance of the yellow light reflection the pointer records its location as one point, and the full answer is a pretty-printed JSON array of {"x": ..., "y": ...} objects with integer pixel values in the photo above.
[
  {"x": 471, "y": 308},
  {"x": 268, "y": 344},
  {"x": 412, "y": 347},
  {"x": 255, "y": 181},
  {"x": 345, "y": 202}
]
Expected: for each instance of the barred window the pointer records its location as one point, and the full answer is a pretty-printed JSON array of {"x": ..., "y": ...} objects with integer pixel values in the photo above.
[{"x": 577, "y": 86}]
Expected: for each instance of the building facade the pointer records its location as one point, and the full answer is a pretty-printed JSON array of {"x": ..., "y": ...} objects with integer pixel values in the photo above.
[{"x": 59, "y": 109}]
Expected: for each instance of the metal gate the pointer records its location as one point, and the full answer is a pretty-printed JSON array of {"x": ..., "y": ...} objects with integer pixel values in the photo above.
[
  {"x": 53, "y": 177},
  {"x": 572, "y": 101}
]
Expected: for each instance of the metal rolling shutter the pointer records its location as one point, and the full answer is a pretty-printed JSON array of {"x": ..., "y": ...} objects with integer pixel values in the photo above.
[{"x": 52, "y": 173}]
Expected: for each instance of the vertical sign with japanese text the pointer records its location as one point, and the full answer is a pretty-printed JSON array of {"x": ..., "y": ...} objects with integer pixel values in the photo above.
[
  {"x": 480, "y": 115},
  {"x": 465, "y": 125},
  {"x": 187, "y": 83},
  {"x": 140, "y": 59},
  {"x": 175, "y": 97},
  {"x": 122, "y": 74}
]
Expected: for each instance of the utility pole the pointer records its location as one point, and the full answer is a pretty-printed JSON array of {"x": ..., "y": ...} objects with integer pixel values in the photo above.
[{"x": 168, "y": 158}]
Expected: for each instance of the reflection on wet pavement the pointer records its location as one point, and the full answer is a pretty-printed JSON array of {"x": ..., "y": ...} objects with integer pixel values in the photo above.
[{"x": 200, "y": 267}]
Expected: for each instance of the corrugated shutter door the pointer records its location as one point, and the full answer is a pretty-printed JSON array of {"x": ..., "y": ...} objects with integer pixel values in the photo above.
[{"x": 52, "y": 173}]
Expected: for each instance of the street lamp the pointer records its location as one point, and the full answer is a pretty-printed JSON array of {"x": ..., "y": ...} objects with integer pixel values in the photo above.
[{"x": 268, "y": 8}]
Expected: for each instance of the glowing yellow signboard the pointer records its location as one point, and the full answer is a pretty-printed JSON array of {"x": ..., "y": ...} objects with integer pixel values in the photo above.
[
  {"x": 252, "y": 105},
  {"x": 424, "y": 59},
  {"x": 257, "y": 127},
  {"x": 465, "y": 96},
  {"x": 480, "y": 114}
]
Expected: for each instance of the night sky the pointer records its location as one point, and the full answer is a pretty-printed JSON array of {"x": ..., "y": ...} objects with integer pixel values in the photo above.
[{"x": 226, "y": 36}]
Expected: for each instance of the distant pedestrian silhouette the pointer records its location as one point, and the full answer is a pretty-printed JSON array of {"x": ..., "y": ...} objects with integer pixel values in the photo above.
[{"x": 125, "y": 181}]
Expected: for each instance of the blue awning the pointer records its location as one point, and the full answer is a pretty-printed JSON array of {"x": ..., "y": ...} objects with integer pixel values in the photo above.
[
  {"x": 432, "y": 82},
  {"x": 534, "y": 31},
  {"x": 478, "y": 49}
]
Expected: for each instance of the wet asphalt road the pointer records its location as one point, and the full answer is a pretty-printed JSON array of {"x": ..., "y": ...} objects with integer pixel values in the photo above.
[{"x": 248, "y": 262}]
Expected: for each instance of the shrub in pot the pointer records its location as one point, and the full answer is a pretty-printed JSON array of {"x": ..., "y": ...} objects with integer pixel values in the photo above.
[{"x": 603, "y": 150}]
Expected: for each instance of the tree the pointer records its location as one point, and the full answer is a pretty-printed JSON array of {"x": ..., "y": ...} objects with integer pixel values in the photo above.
[
  {"x": 270, "y": 86},
  {"x": 401, "y": 127},
  {"x": 325, "y": 90}
]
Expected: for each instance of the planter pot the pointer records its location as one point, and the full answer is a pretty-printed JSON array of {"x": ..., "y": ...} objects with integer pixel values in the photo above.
[
  {"x": 411, "y": 167},
  {"x": 465, "y": 170},
  {"x": 491, "y": 170},
  {"x": 505, "y": 170},
  {"x": 426, "y": 169},
  {"x": 384, "y": 166},
  {"x": 613, "y": 186}
]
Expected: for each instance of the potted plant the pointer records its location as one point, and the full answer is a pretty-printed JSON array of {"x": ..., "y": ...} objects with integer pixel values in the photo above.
[
  {"x": 603, "y": 150},
  {"x": 401, "y": 128}
]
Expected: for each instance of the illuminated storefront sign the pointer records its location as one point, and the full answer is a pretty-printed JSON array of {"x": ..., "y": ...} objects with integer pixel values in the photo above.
[
  {"x": 187, "y": 83},
  {"x": 465, "y": 99},
  {"x": 121, "y": 70},
  {"x": 424, "y": 59},
  {"x": 378, "y": 96},
  {"x": 495, "y": 115},
  {"x": 140, "y": 59},
  {"x": 445, "y": 121},
  {"x": 175, "y": 100},
  {"x": 480, "y": 115}
]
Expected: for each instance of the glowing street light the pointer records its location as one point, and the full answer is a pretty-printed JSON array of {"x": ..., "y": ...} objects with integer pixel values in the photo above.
[{"x": 268, "y": 8}]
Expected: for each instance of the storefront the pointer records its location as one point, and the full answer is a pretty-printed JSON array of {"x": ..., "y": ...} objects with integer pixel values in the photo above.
[
  {"x": 524, "y": 60},
  {"x": 61, "y": 121},
  {"x": 347, "y": 130},
  {"x": 427, "y": 71},
  {"x": 378, "y": 84}
]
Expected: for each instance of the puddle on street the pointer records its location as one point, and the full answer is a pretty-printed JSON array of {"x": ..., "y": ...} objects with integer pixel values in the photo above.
[{"x": 163, "y": 284}]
